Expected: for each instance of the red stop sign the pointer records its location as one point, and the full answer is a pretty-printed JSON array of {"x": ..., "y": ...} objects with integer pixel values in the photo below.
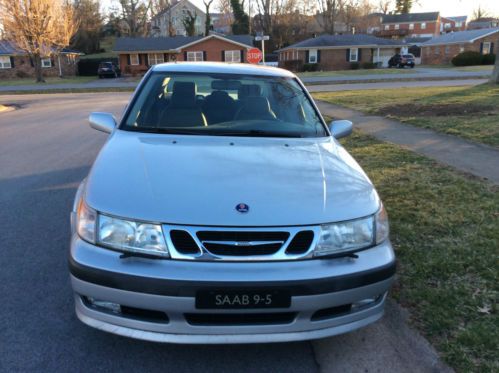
[{"x": 254, "y": 55}]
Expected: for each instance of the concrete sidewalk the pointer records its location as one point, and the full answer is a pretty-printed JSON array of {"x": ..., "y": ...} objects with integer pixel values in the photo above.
[{"x": 473, "y": 158}]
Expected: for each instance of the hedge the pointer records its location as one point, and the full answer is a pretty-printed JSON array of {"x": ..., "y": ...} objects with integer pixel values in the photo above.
[{"x": 470, "y": 58}]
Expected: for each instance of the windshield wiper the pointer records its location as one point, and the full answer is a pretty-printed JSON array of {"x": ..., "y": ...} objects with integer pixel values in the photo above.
[
  {"x": 166, "y": 130},
  {"x": 258, "y": 133}
]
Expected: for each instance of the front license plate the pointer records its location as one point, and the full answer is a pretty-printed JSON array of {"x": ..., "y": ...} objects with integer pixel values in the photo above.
[{"x": 240, "y": 299}]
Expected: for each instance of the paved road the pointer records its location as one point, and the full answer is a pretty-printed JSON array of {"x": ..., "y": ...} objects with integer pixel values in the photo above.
[{"x": 46, "y": 148}]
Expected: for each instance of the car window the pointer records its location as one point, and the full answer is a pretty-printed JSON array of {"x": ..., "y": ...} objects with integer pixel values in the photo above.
[
  {"x": 223, "y": 104},
  {"x": 408, "y": 56}
]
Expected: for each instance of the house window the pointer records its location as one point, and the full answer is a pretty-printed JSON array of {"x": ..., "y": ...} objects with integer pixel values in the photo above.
[
  {"x": 232, "y": 56},
  {"x": 312, "y": 56},
  {"x": 195, "y": 56},
  {"x": 155, "y": 58},
  {"x": 46, "y": 62},
  {"x": 411, "y": 26},
  {"x": 5, "y": 62},
  {"x": 134, "y": 59},
  {"x": 423, "y": 25},
  {"x": 387, "y": 27},
  {"x": 354, "y": 54},
  {"x": 459, "y": 24},
  {"x": 437, "y": 49},
  {"x": 486, "y": 47},
  {"x": 397, "y": 26},
  {"x": 461, "y": 48},
  {"x": 447, "y": 25}
]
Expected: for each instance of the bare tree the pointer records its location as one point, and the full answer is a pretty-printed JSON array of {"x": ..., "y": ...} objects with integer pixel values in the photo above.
[
  {"x": 134, "y": 14},
  {"x": 189, "y": 23},
  {"x": 329, "y": 10},
  {"x": 384, "y": 6},
  {"x": 38, "y": 27},
  {"x": 207, "y": 24},
  {"x": 495, "y": 73},
  {"x": 479, "y": 13}
]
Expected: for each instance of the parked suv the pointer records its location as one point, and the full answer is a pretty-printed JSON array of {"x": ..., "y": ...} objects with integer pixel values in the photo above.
[
  {"x": 108, "y": 69},
  {"x": 402, "y": 61},
  {"x": 223, "y": 209}
]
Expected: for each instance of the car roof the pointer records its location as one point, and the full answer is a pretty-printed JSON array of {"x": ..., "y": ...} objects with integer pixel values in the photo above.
[{"x": 222, "y": 68}]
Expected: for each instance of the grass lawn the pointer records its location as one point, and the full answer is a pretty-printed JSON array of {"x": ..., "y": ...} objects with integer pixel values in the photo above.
[
  {"x": 444, "y": 227},
  {"x": 107, "y": 44},
  {"x": 49, "y": 80},
  {"x": 356, "y": 72},
  {"x": 468, "y": 112}
]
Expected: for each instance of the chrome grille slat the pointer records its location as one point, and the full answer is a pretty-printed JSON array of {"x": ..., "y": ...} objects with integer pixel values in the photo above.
[{"x": 232, "y": 244}]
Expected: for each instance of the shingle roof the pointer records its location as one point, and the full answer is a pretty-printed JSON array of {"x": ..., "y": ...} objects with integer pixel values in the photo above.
[
  {"x": 410, "y": 17},
  {"x": 325, "y": 41},
  {"x": 458, "y": 19},
  {"x": 9, "y": 48},
  {"x": 461, "y": 36},
  {"x": 170, "y": 43}
]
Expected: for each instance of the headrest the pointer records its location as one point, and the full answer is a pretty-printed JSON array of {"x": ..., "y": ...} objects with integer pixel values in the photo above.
[
  {"x": 249, "y": 90},
  {"x": 257, "y": 103},
  {"x": 184, "y": 94}
]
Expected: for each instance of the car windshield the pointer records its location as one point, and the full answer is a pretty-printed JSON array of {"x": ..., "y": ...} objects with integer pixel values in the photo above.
[
  {"x": 408, "y": 56},
  {"x": 106, "y": 64},
  {"x": 223, "y": 105}
]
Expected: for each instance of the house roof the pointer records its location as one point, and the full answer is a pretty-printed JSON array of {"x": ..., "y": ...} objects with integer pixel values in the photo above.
[
  {"x": 416, "y": 40},
  {"x": 410, "y": 17},
  {"x": 9, "y": 48},
  {"x": 458, "y": 18},
  {"x": 173, "y": 43},
  {"x": 461, "y": 37},
  {"x": 338, "y": 41}
]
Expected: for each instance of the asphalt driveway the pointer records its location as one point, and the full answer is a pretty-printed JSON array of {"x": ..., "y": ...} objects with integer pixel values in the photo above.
[{"x": 46, "y": 149}]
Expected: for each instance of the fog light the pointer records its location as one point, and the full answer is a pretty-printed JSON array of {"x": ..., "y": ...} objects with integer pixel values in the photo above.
[
  {"x": 365, "y": 302},
  {"x": 103, "y": 305}
]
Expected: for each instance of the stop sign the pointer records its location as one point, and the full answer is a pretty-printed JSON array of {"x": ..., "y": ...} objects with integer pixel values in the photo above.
[{"x": 254, "y": 55}]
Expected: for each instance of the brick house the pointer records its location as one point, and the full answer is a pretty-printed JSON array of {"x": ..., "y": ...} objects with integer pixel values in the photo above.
[
  {"x": 441, "y": 49},
  {"x": 452, "y": 24},
  {"x": 410, "y": 25},
  {"x": 136, "y": 55},
  {"x": 15, "y": 63},
  {"x": 338, "y": 52}
]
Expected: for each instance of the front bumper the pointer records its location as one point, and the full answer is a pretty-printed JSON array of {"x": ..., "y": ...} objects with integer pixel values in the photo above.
[{"x": 318, "y": 287}]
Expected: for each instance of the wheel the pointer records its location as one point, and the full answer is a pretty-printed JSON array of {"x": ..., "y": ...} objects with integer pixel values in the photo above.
[{"x": 412, "y": 66}]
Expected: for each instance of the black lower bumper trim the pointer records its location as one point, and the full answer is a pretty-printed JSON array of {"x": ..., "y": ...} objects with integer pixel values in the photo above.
[{"x": 183, "y": 288}]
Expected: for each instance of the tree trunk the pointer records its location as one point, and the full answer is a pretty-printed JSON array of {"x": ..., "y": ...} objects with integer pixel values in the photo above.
[
  {"x": 38, "y": 68},
  {"x": 495, "y": 73}
]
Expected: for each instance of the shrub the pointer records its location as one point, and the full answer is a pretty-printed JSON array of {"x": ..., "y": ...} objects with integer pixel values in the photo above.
[
  {"x": 467, "y": 58},
  {"x": 22, "y": 74},
  {"x": 369, "y": 65},
  {"x": 310, "y": 67},
  {"x": 354, "y": 65},
  {"x": 292, "y": 65},
  {"x": 488, "y": 59}
]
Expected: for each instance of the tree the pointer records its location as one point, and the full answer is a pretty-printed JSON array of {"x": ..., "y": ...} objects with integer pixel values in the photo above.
[
  {"x": 207, "y": 24},
  {"x": 403, "y": 6},
  {"x": 384, "y": 6},
  {"x": 87, "y": 38},
  {"x": 38, "y": 27},
  {"x": 495, "y": 73},
  {"x": 134, "y": 16},
  {"x": 329, "y": 10},
  {"x": 479, "y": 13},
  {"x": 240, "y": 26},
  {"x": 189, "y": 22}
]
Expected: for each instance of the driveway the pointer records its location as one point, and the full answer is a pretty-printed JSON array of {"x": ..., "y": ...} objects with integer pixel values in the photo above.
[{"x": 46, "y": 149}]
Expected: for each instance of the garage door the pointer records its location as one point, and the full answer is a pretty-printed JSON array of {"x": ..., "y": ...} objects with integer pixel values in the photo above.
[{"x": 384, "y": 55}]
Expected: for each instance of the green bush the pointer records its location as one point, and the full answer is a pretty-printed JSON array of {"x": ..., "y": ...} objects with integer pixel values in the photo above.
[
  {"x": 369, "y": 65},
  {"x": 488, "y": 59},
  {"x": 468, "y": 58},
  {"x": 310, "y": 67},
  {"x": 354, "y": 65}
]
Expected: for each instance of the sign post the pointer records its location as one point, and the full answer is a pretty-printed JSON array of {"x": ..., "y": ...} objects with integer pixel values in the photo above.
[{"x": 262, "y": 38}]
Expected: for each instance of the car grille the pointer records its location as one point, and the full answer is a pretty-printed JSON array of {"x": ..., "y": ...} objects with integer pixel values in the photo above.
[{"x": 204, "y": 243}]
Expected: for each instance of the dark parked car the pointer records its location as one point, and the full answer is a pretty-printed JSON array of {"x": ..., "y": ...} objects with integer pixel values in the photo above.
[
  {"x": 108, "y": 69},
  {"x": 402, "y": 61}
]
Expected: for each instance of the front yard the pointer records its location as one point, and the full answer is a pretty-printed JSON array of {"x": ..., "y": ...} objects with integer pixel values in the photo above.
[
  {"x": 468, "y": 112},
  {"x": 444, "y": 226}
]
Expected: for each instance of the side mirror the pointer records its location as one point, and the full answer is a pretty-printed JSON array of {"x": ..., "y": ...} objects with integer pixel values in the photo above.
[
  {"x": 104, "y": 122},
  {"x": 340, "y": 128}
]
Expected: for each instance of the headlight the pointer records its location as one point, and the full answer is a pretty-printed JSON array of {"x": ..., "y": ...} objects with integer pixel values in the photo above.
[
  {"x": 131, "y": 236},
  {"x": 353, "y": 235},
  {"x": 120, "y": 234}
]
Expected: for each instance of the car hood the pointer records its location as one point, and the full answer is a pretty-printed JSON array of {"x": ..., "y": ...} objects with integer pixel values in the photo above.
[{"x": 199, "y": 180}]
